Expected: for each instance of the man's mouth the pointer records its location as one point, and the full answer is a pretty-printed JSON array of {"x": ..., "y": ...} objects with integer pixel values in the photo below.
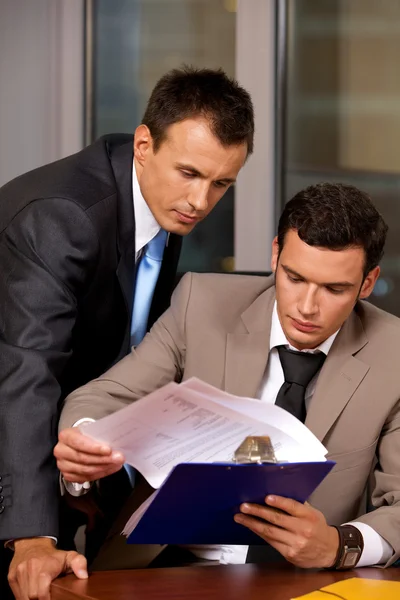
[
  {"x": 304, "y": 326},
  {"x": 185, "y": 218}
]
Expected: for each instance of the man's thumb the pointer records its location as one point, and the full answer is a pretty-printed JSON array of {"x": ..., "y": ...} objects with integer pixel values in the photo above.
[{"x": 78, "y": 564}]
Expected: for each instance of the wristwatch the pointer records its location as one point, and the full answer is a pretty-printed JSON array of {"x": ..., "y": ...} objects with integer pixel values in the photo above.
[{"x": 351, "y": 544}]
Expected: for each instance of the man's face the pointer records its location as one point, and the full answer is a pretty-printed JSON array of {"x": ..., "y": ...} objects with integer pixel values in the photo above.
[
  {"x": 316, "y": 288},
  {"x": 189, "y": 173}
]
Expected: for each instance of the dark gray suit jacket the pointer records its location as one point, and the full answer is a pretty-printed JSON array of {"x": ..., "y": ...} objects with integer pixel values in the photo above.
[{"x": 67, "y": 248}]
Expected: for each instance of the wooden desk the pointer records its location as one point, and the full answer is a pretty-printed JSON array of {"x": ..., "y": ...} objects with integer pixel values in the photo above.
[{"x": 236, "y": 582}]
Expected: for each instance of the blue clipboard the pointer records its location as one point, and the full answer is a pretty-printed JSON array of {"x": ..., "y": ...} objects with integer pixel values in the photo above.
[{"x": 197, "y": 502}]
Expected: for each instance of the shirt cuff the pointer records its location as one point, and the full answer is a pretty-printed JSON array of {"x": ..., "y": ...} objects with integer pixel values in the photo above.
[
  {"x": 82, "y": 421},
  {"x": 376, "y": 549},
  {"x": 76, "y": 489},
  {"x": 10, "y": 543}
]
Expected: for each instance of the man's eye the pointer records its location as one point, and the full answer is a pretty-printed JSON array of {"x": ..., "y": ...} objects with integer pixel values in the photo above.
[
  {"x": 334, "y": 290},
  {"x": 220, "y": 184},
  {"x": 294, "y": 279},
  {"x": 188, "y": 174}
]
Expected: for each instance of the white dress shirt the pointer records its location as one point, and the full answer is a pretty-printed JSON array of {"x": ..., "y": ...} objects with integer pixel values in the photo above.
[
  {"x": 376, "y": 549},
  {"x": 146, "y": 227}
]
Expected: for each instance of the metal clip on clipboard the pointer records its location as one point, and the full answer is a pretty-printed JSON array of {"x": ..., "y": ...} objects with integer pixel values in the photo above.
[{"x": 255, "y": 449}]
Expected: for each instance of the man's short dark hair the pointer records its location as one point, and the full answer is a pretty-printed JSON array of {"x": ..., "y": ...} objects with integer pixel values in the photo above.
[
  {"x": 188, "y": 93},
  {"x": 335, "y": 216}
]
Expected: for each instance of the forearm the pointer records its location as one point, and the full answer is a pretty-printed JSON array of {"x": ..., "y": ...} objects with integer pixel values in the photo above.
[
  {"x": 93, "y": 401},
  {"x": 28, "y": 431}
]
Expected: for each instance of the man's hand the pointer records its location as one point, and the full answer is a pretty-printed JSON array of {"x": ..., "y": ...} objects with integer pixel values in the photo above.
[
  {"x": 300, "y": 533},
  {"x": 80, "y": 459},
  {"x": 36, "y": 563}
]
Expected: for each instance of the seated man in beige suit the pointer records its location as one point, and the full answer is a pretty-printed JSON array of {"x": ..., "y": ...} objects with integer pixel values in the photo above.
[{"x": 242, "y": 334}]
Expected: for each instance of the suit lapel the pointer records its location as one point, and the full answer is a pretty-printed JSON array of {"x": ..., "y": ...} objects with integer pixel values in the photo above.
[
  {"x": 122, "y": 161},
  {"x": 247, "y": 347},
  {"x": 340, "y": 376},
  {"x": 121, "y": 158}
]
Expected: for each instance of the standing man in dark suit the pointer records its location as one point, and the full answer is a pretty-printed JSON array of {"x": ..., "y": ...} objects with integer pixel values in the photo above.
[{"x": 89, "y": 248}]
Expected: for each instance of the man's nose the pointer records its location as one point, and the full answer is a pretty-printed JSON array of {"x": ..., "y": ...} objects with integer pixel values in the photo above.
[
  {"x": 198, "y": 199},
  {"x": 308, "y": 304}
]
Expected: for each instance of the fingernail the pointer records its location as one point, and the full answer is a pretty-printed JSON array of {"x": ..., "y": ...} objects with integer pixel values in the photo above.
[
  {"x": 82, "y": 574},
  {"x": 270, "y": 499},
  {"x": 244, "y": 507},
  {"x": 238, "y": 518},
  {"x": 117, "y": 457}
]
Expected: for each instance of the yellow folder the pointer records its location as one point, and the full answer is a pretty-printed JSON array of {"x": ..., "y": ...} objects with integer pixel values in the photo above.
[{"x": 356, "y": 589}]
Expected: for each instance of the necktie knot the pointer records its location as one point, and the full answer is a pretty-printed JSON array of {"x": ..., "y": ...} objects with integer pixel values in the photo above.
[
  {"x": 155, "y": 247},
  {"x": 300, "y": 367}
]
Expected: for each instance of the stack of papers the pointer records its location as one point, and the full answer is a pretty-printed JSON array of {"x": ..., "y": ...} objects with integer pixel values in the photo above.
[
  {"x": 182, "y": 439},
  {"x": 195, "y": 422}
]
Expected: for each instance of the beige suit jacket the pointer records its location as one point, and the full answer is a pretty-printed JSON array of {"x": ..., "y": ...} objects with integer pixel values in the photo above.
[{"x": 218, "y": 329}]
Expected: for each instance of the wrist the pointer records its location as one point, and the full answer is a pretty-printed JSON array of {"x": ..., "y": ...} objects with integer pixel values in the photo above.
[
  {"x": 351, "y": 546},
  {"x": 334, "y": 547},
  {"x": 42, "y": 542}
]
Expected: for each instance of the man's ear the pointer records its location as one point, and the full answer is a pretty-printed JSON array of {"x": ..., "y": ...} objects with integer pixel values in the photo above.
[
  {"x": 275, "y": 254},
  {"x": 369, "y": 283},
  {"x": 142, "y": 143}
]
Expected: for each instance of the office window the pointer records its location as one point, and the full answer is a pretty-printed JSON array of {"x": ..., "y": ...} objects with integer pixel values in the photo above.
[
  {"x": 343, "y": 109},
  {"x": 135, "y": 43}
]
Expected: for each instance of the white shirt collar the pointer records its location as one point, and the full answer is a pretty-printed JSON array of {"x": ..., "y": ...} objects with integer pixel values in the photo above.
[
  {"x": 146, "y": 227},
  {"x": 278, "y": 338}
]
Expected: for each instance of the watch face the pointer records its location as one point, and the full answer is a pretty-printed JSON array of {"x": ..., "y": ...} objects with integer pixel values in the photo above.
[{"x": 351, "y": 558}]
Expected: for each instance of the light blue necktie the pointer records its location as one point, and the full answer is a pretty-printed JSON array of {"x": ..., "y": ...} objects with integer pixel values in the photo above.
[
  {"x": 145, "y": 283},
  {"x": 146, "y": 279}
]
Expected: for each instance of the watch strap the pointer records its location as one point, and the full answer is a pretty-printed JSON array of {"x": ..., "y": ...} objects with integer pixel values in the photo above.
[{"x": 350, "y": 541}]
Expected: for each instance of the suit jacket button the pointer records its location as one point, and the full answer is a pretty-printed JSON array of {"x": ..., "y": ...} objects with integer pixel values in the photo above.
[
  {"x": 1, "y": 478},
  {"x": 1, "y": 499},
  {"x": 2, "y": 509},
  {"x": 1, "y": 488}
]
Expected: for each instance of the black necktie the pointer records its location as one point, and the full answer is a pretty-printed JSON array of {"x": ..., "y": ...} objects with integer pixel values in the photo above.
[{"x": 298, "y": 369}]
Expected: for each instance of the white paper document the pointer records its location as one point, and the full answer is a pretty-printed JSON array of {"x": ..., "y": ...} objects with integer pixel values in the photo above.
[{"x": 195, "y": 422}]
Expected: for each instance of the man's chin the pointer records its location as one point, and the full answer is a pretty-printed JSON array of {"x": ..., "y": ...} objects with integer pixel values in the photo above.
[
  {"x": 180, "y": 228},
  {"x": 303, "y": 341}
]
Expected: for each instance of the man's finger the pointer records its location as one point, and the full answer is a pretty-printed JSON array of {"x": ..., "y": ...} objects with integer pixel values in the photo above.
[
  {"x": 37, "y": 569},
  {"x": 77, "y": 564},
  {"x": 30, "y": 583},
  {"x": 273, "y": 516},
  {"x": 23, "y": 581},
  {"x": 293, "y": 508},
  {"x": 15, "y": 587},
  {"x": 44, "y": 584},
  {"x": 64, "y": 452},
  {"x": 75, "y": 476},
  {"x": 87, "y": 470},
  {"x": 75, "y": 439},
  {"x": 268, "y": 532}
]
